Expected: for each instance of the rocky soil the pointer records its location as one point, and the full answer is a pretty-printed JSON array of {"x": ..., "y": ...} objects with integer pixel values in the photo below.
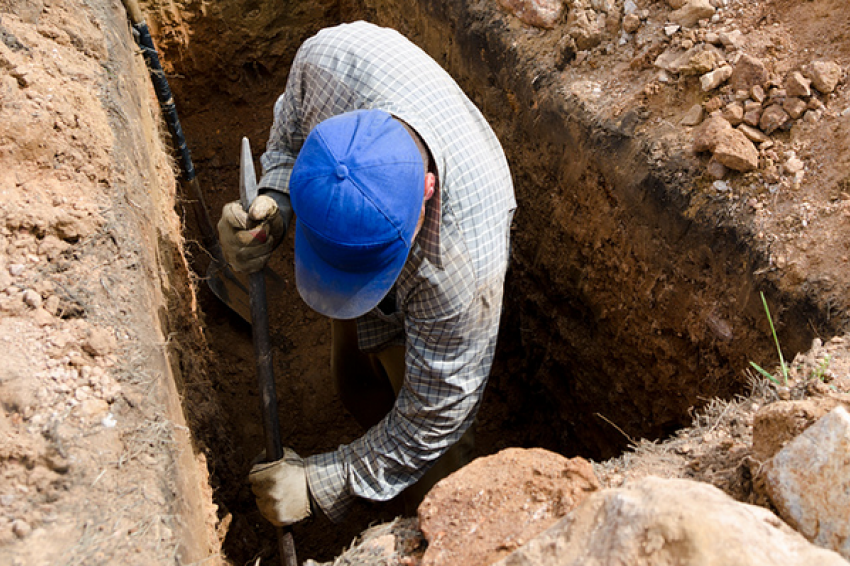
[{"x": 102, "y": 327}]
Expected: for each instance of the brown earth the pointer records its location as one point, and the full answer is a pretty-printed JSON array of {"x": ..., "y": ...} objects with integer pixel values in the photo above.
[{"x": 633, "y": 293}]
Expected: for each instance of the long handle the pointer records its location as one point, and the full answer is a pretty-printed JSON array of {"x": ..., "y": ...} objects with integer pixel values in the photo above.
[
  {"x": 268, "y": 395},
  {"x": 262, "y": 347}
]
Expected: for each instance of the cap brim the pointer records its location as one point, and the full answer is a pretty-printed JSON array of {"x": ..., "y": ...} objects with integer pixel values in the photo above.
[{"x": 336, "y": 293}]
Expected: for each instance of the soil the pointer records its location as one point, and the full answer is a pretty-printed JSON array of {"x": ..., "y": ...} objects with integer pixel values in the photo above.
[{"x": 633, "y": 297}]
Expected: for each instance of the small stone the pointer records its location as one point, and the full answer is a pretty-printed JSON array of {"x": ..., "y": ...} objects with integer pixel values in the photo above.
[
  {"x": 671, "y": 30},
  {"x": 795, "y": 107},
  {"x": 798, "y": 85},
  {"x": 16, "y": 269},
  {"x": 825, "y": 75},
  {"x": 51, "y": 304},
  {"x": 716, "y": 170},
  {"x": 793, "y": 165},
  {"x": 734, "y": 113},
  {"x": 736, "y": 151},
  {"x": 713, "y": 104},
  {"x": 676, "y": 4},
  {"x": 709, "y": 133},
  {"x": 32, "y": 299},
  {"x": 748, "y": 72},
  {"x": 631, "y": 23},
  {"x": 755, "y": 135},
  {"x": 715, "y": 78},
  {"x": 757, "y": 92},
  {"x": 692, "y": 12},
  {"x": 42, "y": 317},
  {"x": 21, "y": 528},
  {"x": 99, "y": 342},
  {"x": 773, "y": 118},
  {"x": 693, "y": 116},
  {"x": 752, "y": 117},
  {"x": 732, "y": 40}
]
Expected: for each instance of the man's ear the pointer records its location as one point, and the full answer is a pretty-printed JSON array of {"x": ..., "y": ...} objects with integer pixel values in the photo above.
[{"x": 430, "y": 183}]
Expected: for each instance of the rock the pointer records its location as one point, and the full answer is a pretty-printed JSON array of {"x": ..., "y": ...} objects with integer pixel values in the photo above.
[
  {"x": 692, "y": 12},
  {"x": 702, "y": 62},
  {"x": 809, "y": 482},
  {"x": 32, "y": 299},
  {"x": 825, "y": 75},
  {"x": 798, "y": 85},
  {"x": 732, "y": 40},
  {"x": 716, "y": 170},
  {"x": 793, "y": 166},
  {"x": 776, "y": 424},
  {"x": 99, "y": 342},
  {"x": 773, "y": 118},
  {"x": 715, "y": 78},
  {"x": 713, "y": 104},
  {"x": 659, "y": 522},
  {"x": 584, "y": 28},
  {"x": 708, "y": 135},
  {"x": 748, "y": 73},
  {"x": 795, "y": 107},
  {"x": 757, "y": 92},
  {"x": 734, "y": 113},
  {"x": 753, "y": 134},
  {"x": 693, "y": 116},
  {"x": 539, "y": 13},
  {"x": 752, "y": 116},
  {"x": 736, "y": 151},
  {"x": 631, "y": 23},
  {"x": 676, "y": 4},
  {"x": 492, "y": 506},
  {"x": 21, "y": 528},
  {"x": 692, "y": 61}
]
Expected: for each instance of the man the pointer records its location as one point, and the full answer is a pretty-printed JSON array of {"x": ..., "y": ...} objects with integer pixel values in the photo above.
[{"x": 403, "y": 203}]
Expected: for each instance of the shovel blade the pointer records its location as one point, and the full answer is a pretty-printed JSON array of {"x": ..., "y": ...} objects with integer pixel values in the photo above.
[{"x": 231, "y": 287}]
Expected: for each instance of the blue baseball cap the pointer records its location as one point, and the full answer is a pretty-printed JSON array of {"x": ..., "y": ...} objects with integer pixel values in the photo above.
[{"x": 356, "y": 189}]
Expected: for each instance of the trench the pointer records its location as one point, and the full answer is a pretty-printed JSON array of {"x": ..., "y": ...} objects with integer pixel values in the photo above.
[{"x": 626, "y": 303}]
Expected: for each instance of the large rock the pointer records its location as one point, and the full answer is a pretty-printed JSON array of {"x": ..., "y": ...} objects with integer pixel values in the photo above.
[
  {"x": 777, "y": 424},
  {"x": 735, "y": 150},
  {"x": 492, "y": 506},
  {"x": 661, "y": 522},
  {"x": 748, "y": 72},
  {"x": 710, "y": 133},
  {"x": 825, "y": 75},
  {"x": 809, "y": 482}
]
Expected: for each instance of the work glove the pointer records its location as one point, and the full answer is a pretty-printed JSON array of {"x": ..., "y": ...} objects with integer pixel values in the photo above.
[
  {"x": 248, "y": 239},
  {"x": 280, "y": 489}
]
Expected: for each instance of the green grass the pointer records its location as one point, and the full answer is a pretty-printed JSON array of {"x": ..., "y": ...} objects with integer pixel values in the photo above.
[{"x": 782, "y": 365}]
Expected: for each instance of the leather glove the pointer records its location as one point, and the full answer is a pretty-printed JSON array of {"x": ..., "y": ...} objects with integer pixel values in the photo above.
[
  {"x": 280, "y": 489},
  {"x": 248, "y": 239}
]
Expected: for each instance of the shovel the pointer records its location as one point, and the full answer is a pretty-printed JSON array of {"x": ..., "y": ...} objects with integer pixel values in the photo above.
[
  {"x": 231, "y": 288},
  {"x": 262, "y": 349}
]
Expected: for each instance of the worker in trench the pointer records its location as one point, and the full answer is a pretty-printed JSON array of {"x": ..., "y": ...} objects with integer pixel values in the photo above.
[{"x": 402, "y": 202}]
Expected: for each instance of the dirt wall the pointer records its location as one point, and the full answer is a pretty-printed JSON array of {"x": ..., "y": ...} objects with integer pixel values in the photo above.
[{"x": 98, "y": 465}]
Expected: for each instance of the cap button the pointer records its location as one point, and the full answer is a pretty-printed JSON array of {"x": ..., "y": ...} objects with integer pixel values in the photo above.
[{"x": 341, "y": 172}]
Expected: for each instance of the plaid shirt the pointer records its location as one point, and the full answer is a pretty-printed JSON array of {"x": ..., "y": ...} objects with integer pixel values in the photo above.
[{"x": 448, "y": 296}]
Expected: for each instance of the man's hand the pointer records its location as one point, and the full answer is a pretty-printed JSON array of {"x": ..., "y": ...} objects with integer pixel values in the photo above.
[
  {"x": 280, "y": 489},
  {"x": 248, "y": 239}
]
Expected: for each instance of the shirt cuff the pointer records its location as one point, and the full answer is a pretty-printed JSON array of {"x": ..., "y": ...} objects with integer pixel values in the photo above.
[{"x": 326, "y": 477}]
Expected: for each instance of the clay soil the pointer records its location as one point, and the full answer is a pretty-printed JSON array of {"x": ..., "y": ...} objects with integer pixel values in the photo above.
[{"x": 619, "y": 331}]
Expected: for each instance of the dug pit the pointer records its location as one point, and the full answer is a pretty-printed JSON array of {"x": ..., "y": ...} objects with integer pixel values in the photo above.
[{"x": 633, "y": 294}]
